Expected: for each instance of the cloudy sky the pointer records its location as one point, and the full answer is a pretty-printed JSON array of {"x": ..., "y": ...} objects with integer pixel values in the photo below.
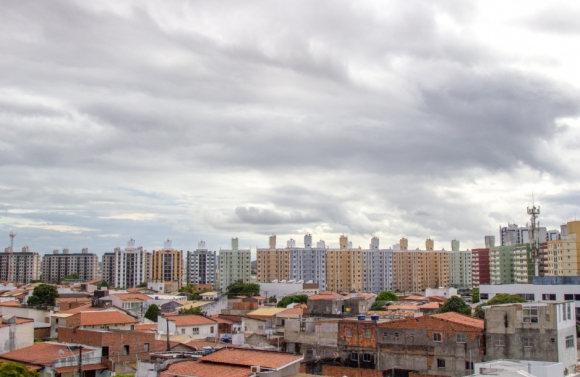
[{"x": 195, "y": 121}]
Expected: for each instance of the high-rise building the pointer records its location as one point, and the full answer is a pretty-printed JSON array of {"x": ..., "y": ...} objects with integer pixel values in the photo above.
[
  {"x": 201, "y": 266},
  {"x": 307, "y": 264},
  {"x": 167, "y": 264},
  {"x": 128, "y": 267},
  {"x": 512, "y": 234},
  {"x": 564, "y": 254},
  {"x": 19, "y": 267},
  {"x": 234, "y": 265},
  {"x": 56, "y": 266},
  {"x": 501, "y": 267},
  {"x": 480, "y": 266},
  {"x": 460, "y": 267},
  {"x": 415, "y": 270}
]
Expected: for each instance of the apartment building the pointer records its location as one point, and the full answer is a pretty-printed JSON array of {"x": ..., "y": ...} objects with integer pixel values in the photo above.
[
  {"x": 460, "y": 267},
  {"x": 501, "y": 265},
  {"x": 167, "y": 264},
  {"x": 480, "y": 267},
  {"x": 512, "y": 234},
  {"x": 234, "y": 265},
  {"x": 563, "y": 255},
  {"x": 306, "y": 264},
  {"x": 19, "y": 267},
  {"x": 56, "y": 266},
  {"x": 201, "y": 266},
  {"x": 128, "y": 267}
]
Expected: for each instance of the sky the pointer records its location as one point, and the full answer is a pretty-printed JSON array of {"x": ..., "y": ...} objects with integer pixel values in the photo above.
[{"x": 190, "y": 121}]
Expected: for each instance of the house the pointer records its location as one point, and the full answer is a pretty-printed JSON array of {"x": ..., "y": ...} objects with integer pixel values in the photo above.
[
  {"x": 236, "y": 362},
  {"x": 540, "y": 331},
  {"x": 15, "y": 333},
  {"x": 135, "y": 303},
  {"x": 211, "y": 296},
  {"x": 312, "y": 337},
  {"x": 195, "y": 326},
  {"x": 445, "y": 344},
  {"x": 101, "y": 320},
  {"x": 63, "y": 304},
  {"x": 118, "y": 347},
  {"x": 52, "y": 359}
]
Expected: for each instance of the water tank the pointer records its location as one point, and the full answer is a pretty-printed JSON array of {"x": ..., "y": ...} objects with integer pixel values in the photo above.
[
  {"x": 374, "y": 317},
  {"x": 361, "y": 317},
  {"x": 207, "y": 350}
]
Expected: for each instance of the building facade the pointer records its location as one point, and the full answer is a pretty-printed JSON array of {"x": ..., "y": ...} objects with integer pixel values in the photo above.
[
  {"x": 167, "y": 264},
  {"x": 234, "y": 265},
  {"x": 201, "y": 266},
  {"x": 19, "y": 267},
  {"x": 563, "y": 255},
  {"x": 56, "y": 266},
  {"x": 128, "y": 267},
  {"x": 480, "y": 267}
]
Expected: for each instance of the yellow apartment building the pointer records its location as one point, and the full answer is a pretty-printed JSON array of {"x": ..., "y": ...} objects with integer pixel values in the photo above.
[
  {"x": 564, "y": 254},
  {"x": 167, "y": 264}
]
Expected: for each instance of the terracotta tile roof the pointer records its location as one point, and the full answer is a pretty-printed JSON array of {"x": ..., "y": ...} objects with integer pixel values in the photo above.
[
  {"x": 265, "y": 312},
  {"x": 221, "y": 320},
  {"x": 402, "y": 307},
  {"x": 413, "y": 298},
  {"x": 326, "y": 296},
  {"x": 259, "y": 298},
  {"x": 72, "y": 300},
  {"x": 248, "y": 358},
  {"x": 105, "y": 318},
  {"x": 291, "y": 311},
  {"x": 76, "y": 368},
  {"x": 40, "y": 353},
  {"x": 431, "y": 305},
  {"x": 198, "y": 369},
  {"x": 189, "y": 320},
  {"x": 19, "y": 321},
  {"x": 145, "y": 326},
  {"x": 10, "y": 303},
  {"x": 92, "y": 281},
  {"x": 161, "y": 345},
  {"x": 460, "y": 319},
  {"x": 437, "y": 298},
  {"x": 132, "y": 296}
]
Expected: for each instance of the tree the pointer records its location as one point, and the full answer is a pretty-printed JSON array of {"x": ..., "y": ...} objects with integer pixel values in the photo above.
[
  {"x": 43, "y": 295},
  {"x": 457, "y": 305},
  {"x": 502, "y": 298},
  {"x": 11, "y": 369},
  {"x": 190, "y": 311},
  {"x": 142, "y": 285},
  {"x": 35, "y": 281},
  {"x": 152, "y": 313},
  {"x": 287, "y": 300},
  {"x": 475, "y": 295},
  {"x": 242, "y": 289},
  {"x": 387, "y": 296},
  {"x": 74, "y": 276},
  {"x": 272, "y": 299},
  {"x": 378, "y": 305},
  {"x": 103, "y": 284}
]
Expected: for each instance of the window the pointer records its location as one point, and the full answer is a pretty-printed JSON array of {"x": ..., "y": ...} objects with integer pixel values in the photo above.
[
  {"x": 125, "y": 350},
  {"x": 183, "y": 331},
  {"x": 385, "y": 335},
  {"x": 195, "y": 330},
  {"x": 309, "y": 352},
  {"x": 570, "y": 341},
  {"x": 348, "y": 332},
  {"x": 440, "y": 363},
  {"x": 211, "y": 329},
  {"x": 354, "y": 356},
  {"x": 367, "y": 357},
  {"x": 483, "y": 296},
  {"x": 498, "y": 341},
  {"x": 468, "y": 365},
  {"x": 568, "y": 311},
  {"x": 461, "y": 338},
  {"x": 531, "y": 315},
  {"x": 367, "y": 333},
  {"x": 527, "y": 296},
  {"x": 436, "y": 337},
  {"x": 528, "y": 341},
  {"x": 549, "y": 297},
  {"x": 146, "y": 347},
  {"x": 568, "y": 297},
  {"x": 396, "y": 336}
]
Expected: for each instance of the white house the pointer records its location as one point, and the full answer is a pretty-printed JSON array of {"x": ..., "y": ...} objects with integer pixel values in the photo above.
[{"x": 196, "y": 326}]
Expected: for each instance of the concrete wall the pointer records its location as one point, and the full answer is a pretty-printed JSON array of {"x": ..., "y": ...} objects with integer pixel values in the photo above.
[
  {"x": 37, "y": 315},
  {"x": 15, "y": 337}
]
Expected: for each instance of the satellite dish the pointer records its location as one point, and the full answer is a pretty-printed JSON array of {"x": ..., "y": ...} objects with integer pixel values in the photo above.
[{"x": 60, "y": 352}]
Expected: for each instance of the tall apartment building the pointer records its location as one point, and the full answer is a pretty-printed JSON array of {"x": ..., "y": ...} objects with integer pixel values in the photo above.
[
  {"x": 307, "y": 264},
  {"x": 234, "y": 264},
  {"x": 415, "y": 270},
  {"x": 128, "y": 267},
  {"x": 167, "y": 264},
  {"x": 19, "y": 267},
  {"x": 563, "y": 255},
  {"x": 512, "y": 234},
  {"x": 523, "y": 264},
  {"x": 56, "y": 266},
  {"x": 339, "y": 264},
  {"x": 501, "y": 268},
  {"x": 201, "y": 266},
  {"x": 460, "y": 267},
  {"x": 480, "y": 267}
]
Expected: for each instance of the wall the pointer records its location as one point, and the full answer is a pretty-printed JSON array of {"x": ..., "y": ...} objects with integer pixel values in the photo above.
[
  {"x": 37, "y": 315},
  {"x": 340, "y": 371},
  {"x": 23, "y": 336}
]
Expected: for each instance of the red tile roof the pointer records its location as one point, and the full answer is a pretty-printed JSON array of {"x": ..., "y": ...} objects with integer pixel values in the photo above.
[
  {"x": 105, "y": 318},
  {"x": 299, "y": 311},
  {"x": 189, "y": 320},
  {"x": 161, "y": 345},
  {"x": 10, "y": 303},
  {"x": 145, "y": 326},
  {"x": 248, "y": 358},
  {"x": 221, "y": 320},
  {"x": 431, "y": 305},
  {"x": 402, "y": 307},
  {"x": 199, "y": 369},
  {"x": 132, "y": 296},
  {"x": 85, "y": 368},
  {"x": 72, "y": 300},
  {"x": 40, "y": 353},
  {"x": 460, "y": 319},
  {"x": 84, "y": 308},
  {"x": 325, "y": 296},
  {"x": 19, "y": 321}
]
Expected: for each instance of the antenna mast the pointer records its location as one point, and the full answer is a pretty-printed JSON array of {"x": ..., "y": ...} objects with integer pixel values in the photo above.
[
  {"x": 534, "y": 212},
  {"x": 12, "y": 234}
]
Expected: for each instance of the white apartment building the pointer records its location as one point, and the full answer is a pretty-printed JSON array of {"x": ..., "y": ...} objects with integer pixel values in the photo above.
[
  {"x": 201, "y": 266},
  {"x": 56, "y": 266},
  {"x": 128, "y": 267},
  {"x": 19, "y": 267},
  {"x": 234, "y": 265},
  {"x": 512, "y": 234},
  {"x": 460, "y": 267}
]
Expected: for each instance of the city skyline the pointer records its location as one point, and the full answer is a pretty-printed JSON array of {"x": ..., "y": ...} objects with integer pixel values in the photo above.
[{"x": 203, "y": 121}]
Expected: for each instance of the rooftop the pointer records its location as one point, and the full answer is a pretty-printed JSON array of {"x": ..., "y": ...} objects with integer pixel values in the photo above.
[
  {"x": 189, "y": 320},
  {"x": 131, "y": 296},
  {"x": 248, "y": 358},
  {"x": 265, "y": 312},
  {"x": 199, "y": 369},
  {"x": 326, "y": 296},
  {"x": 41, "y": 353},
  {"x": 105, "y": 318},
  {"x": 460, "y": 319}
]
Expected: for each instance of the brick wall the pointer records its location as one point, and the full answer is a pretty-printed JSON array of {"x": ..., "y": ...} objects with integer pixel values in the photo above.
[
  {"x": 42, "y": 333},
  {"x": 340, "y": 371}
]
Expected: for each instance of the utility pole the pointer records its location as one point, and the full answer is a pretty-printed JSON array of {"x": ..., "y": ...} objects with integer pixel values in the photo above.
[
  {"x": 80, "y": 361},
  {"x": 534, "y": 212},
  {"x": 167, "y": 323}
]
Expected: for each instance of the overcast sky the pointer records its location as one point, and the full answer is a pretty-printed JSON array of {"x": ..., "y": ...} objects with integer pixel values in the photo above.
[{"x": 195, "y": 121}]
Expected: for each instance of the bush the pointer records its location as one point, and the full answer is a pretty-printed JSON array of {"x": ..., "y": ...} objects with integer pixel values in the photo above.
[
  {"x": 502, "y": 298},
  {"x": 457, "y": 305},
  {"x": 387, "y": 296},
  {"x": 378, "y": 305}
]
